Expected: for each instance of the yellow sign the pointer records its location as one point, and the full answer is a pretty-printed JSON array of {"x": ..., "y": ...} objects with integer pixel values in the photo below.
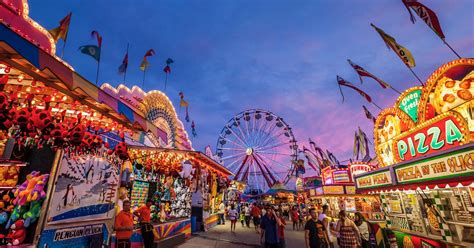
[
  {"x": 378, "y": 179},
  {"x": 333, "y": 190},
  {"x": 453, "y": 164}
]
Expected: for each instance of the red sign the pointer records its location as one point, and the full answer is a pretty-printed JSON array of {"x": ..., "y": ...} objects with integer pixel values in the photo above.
[{"x": 445, "y": 133}]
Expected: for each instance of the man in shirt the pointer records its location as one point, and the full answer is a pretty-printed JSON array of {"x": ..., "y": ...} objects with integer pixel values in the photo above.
[
  {"x": 269, "y": 229},
  {"x": 143, "y": 214},
  {"x": 124, "y": 226},
  {"x": 256, "y": 212},
  {"x": 315, "y": 232},
  {"x": 221, "y": 213},
  {"x": 323, "y": 217}
]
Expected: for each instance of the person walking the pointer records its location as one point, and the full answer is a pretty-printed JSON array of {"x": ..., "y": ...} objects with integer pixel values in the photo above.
[
  {"x": 269, "y": 229},
  {"x": 364, "y": 229},
  {"x": 256, "y": 212},
  {"x": 315, "y": 233},
  {"x": 281, "y": 229},
  {"x": 242, "y": 216},
  {"x": 144, "y": 214},
  {"x": 247, "y": 215},
  {"x": 323, "y": 217},
  {"x": 221, "y": 213},
  {"x": 295, "y": 218},
  {"x": 124, "y": 226},
  {"x": 232, "y": 217},
  {"x": 349, "y": 236}
]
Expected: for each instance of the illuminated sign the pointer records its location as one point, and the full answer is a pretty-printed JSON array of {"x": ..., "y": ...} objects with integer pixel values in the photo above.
[
  {"x": 451, "y": 165},
  {"x": 312, "y": 182},
  {"x": 377, "y": 179},
  {"x": 341, "y": 176},
  {"x": 409, "y": 104},
  {"x": 335, "y": 190},
  {"x": 441, "y": 135},
  {"x": 350, "y": 190},
  {"x": 357, "y": 169}
]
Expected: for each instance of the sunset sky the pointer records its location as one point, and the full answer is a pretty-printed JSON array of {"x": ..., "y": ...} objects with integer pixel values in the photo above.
[{"x": 277, "y": 55}]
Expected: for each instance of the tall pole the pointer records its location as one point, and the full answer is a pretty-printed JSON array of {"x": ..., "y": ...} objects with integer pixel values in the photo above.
[
  {"x": 376, "y": 105},
  {"x": 64, "y": 46},
  {"x": 143, "y": 81},
  {"x": 414, "y": 74},
  {"x": 97, "y": 75},
  {"x": 125, "y": 74},
  {"x": 446, "y": 43},
  {"x": 166, "y": 79}
]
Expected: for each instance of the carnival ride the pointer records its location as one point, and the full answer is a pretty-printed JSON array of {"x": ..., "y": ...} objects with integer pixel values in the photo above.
[{"x": 259, "y": 148}]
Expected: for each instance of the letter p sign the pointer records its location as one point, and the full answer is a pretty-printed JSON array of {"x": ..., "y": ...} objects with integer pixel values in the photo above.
[{"x": 402, "y": 149}]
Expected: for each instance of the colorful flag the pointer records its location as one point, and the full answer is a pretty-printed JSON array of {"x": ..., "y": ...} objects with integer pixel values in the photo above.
[
  {"x": 123, "y": 67},
  {"x": 341, "y": 81},
  {"x": 63, "y": 29},
  {"x": 426, "y": 14},
  {"x": 364, "y": 146},
  {"x": 318, "y": 151},
  {"x": 96, "y": 35},
  {"x": 403, "y": 53},
  {"x": 368, "y": 114},
  {"x": 182, "y": 102},
  {"x": 91, "y": 50},
  {"x": 313, "y": 160},
  {"x": 167, "y": 68},
  {"x": 363, "y": 73},
  {"x": 332, "y": 159},
  {"x": 145, "y": 64},
  {"x": 356, "y": 149},
  {"x": 193, "y": 129}
]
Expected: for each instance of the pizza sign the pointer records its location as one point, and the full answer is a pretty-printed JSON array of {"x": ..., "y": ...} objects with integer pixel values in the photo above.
[
  {"x": 441, "y": 135},
  {"x": 378, "y": 179}
]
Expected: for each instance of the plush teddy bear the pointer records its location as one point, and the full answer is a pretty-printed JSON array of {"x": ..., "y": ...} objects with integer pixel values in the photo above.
[
  {"x": 32, "y": 189},
  {"x": 17, "y": 233}
]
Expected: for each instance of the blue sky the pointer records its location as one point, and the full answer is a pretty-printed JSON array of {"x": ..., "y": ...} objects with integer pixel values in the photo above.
[{"x": 277, "y": 55}]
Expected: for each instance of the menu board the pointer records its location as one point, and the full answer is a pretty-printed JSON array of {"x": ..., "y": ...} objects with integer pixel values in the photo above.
[{"x": 139, "y": 193}]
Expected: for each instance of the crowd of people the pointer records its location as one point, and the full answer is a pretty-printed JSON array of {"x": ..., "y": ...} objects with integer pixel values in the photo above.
[{"x": 320, "y": 231}]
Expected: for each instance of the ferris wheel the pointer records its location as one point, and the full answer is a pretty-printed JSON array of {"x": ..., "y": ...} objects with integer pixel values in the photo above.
[{"x": 259, "y": 148}]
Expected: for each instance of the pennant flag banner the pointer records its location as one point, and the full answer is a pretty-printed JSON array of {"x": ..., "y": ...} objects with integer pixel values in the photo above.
[
  {"x": 96, "y": 35},
  {"x": 318, "y": 151},
  {"x": 426, "y": 14},
  {"x": 193, "y": 129},
  {"x": 342, "y": 82},
  {"x": 91, "y": 50},
  {"x": 167, "y": 68},
  {"x": 123, "y": 67},
  {"x": 356, "y": 150},
  {"x": 145, "y": 64},
  {"x": 182, "y": 102},
  {"x": 368, "y": 114},
  {"x": 63, "y": 29},
  {"x": 403, "y": 53},
  {"x": 363, "y": 73}
]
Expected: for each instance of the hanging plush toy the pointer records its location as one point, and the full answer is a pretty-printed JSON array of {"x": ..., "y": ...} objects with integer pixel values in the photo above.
[
  {"x": 17, "y": 233},
  {"x": 32, "y": 189},
  {"x": 33, "y": 213},
  {"x": 187, "y": 170}
]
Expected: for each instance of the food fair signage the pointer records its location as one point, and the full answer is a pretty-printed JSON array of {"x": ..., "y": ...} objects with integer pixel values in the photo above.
[
  {"x": 383, "y": 178},
  {"x": 451, "y": 165},
  {"x": 409, "y": 104},
  {"x": 441, "y": 135}
]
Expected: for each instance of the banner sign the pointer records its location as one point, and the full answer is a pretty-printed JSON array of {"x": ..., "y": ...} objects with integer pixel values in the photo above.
[
  {"x": 450, "y": 165},
  {"x": 85, "y": 189},
  {"x": 312, "y": 182},
  {"x": 351, "y": 190},
  {"x": 94, "y": 235},
  {"x": 333, "y": 190},
  {"x": 378, "y": 179},
  {"x": 438, "y": 136}
]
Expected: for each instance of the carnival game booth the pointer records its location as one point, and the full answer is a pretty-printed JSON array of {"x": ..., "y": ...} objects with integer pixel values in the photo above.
[
  {"x": 61, "y": 164},
  {"x": 171, "y": 178},
  {"x": 338, "y": 192},
  {"x": 424, "y": 144}
]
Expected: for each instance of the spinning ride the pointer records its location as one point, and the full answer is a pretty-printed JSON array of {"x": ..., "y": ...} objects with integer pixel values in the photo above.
[{"x": 259, "y": 148}]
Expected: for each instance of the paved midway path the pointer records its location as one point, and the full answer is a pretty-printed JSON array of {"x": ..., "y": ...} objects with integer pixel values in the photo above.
[{"x": 220, "y": 236}]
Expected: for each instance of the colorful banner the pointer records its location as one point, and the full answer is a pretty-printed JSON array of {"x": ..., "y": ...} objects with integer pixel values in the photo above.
[
  {"x": 94, "y": 235},
  {"x": 451, "y": 165},
  {"x": 333, "y": 190},
  {"x": 378, "y": 179},
  {"x": 85, "y": 189}
]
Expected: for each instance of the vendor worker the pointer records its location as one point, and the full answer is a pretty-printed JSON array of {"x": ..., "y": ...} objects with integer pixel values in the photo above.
[
  {"x": 143, "y": 214},
  {"x": 124, "y": 226}
]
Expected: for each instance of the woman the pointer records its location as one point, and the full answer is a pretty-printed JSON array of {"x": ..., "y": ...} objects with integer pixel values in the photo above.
[
  {"x": 295, "y": 218},
  {"x": 281, "y": 229},
  {"x": 232, "y": 217},
  {"x": 364, "y": 229},
  {"x": 349, "y": 236}
]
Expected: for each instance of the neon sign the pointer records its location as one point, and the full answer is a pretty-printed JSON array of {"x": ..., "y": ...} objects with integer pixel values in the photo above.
[{"x": 440, "y": 135}]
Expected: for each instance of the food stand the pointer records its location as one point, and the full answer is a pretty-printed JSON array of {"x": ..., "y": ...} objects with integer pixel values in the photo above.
[
  {"x": 60, "y": 166},
  {"x": 424, "y": 145}
]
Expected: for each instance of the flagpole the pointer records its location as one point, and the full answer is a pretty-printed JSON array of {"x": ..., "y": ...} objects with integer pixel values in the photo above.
[
  {"x": 97, "y": 75},
  {"x": 125, "y": 73},
  {"x": 414, "y": 74},
  {"x": 166, "y": 79},
  {"x": 446, "y": 43},
  {"x": 395, "y": 90},
  {"x": 64, "y": 46},
  {"x": 376, "y": 105},
  {"x": 143, "y": 81}
]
